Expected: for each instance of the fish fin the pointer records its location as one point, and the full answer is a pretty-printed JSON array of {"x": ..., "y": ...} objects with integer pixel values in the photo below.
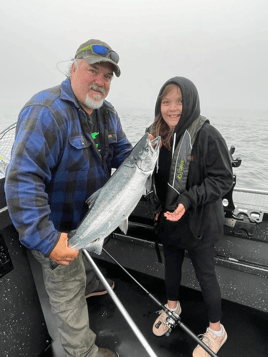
[
  {"x": 148, "y": 185},
  {"x": 71, "y": 234},
  {"x": 124, "y": 226},
  {"x": 96, "y": 246},
  {"x": 91, "y": 200}
]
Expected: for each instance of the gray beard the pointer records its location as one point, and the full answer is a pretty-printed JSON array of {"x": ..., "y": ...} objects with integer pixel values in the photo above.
[{"x": 92, "y": 104}]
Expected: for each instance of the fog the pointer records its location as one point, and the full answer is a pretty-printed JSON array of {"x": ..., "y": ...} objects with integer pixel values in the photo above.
[{"x": 220, "y": 45}]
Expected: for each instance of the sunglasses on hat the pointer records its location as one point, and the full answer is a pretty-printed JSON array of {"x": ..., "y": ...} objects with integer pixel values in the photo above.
[{"x": 101, "y": 50}]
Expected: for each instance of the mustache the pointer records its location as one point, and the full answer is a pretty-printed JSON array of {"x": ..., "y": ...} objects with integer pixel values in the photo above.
[{"x": 97, "y": 88}]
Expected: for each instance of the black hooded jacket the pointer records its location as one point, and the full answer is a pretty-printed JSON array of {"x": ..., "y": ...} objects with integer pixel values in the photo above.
[{"x": 209, "y": 178}]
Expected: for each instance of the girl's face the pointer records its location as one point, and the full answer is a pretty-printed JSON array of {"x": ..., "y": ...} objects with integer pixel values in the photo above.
[{"x": 171, "y": 106}]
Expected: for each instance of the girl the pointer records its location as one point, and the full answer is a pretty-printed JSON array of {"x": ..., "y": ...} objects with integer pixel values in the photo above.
[{"x": 194, "y": 172}]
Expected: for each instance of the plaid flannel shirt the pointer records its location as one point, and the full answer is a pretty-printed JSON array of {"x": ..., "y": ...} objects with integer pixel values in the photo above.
[{"x": 55, "y": 165}]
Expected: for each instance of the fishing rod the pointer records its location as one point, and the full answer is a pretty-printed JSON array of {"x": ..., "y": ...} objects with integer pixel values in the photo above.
[
  {"x": 121, "y": 308},
  {"x": 173, "y": 318}
]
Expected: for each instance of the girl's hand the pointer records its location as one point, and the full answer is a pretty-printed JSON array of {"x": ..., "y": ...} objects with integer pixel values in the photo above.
[{"x": 176, "y": 215}]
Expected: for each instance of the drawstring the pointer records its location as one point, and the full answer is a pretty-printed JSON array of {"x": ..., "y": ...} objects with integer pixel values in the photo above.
[{"x": 174, "y": 143}]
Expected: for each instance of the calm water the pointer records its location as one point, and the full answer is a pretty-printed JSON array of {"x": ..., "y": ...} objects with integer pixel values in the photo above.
[{"x": 244, "y": 129}]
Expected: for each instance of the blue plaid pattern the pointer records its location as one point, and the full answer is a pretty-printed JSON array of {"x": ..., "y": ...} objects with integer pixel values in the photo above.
[{"x": 55, "y": 165}]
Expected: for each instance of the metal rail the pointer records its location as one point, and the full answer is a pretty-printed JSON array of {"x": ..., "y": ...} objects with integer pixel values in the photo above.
[
  {"x": 248, "y": 190},
  {"x": 121, "y": 308}
]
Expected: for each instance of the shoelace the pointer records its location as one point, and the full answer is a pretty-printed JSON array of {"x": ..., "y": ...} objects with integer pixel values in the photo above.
[{"x": 205, "y": 339}]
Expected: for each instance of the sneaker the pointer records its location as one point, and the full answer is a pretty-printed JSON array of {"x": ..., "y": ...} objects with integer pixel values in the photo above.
[
  {"x": 99, "y": 290},
  {"x": 212, "y": 341},
  {"x": 160, "y": 327},
  {"x": 103, "y": 352}
]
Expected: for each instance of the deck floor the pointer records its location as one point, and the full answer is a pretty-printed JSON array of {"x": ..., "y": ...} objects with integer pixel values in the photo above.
[{"x": 247, "y": 328}]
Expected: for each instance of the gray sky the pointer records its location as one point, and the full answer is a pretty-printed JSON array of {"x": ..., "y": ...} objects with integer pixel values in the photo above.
[{"x": 221, "y": 45}]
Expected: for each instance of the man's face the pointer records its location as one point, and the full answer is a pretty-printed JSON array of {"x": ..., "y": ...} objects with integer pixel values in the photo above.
[{"x": 91, "y": 83}]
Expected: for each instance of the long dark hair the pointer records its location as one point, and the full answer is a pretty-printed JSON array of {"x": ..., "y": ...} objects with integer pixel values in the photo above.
[
  {"x": 160, "y": 127},
  {"x": 190, "y": 110}
]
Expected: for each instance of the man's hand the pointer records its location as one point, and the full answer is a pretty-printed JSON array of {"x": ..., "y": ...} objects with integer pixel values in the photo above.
[
  {"x": 176, "y": 215},
  {"x": 62, "y": 254}
]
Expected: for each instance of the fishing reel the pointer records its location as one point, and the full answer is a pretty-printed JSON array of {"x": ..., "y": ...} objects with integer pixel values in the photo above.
[{"x": 172, "y": 320}]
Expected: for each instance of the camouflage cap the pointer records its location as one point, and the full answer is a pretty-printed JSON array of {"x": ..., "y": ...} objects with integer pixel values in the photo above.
[{"x": 95, "y": 51}]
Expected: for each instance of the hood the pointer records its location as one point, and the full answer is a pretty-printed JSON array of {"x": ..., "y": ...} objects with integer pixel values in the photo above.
[{"x": 190, "y": 103}]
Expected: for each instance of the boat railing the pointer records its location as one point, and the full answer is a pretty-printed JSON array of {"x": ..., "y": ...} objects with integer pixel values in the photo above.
[
  {"x": 248, "y": 190},
  {"x": 7, "y": 138}
]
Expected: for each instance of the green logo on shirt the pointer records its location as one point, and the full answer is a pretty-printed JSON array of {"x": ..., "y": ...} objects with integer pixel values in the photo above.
[
  {"x": 180, "y": 169},
  {"x": 94, "y": 135}
]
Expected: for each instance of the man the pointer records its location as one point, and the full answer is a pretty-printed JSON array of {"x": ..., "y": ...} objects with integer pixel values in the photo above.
[{"x": 68, "y": 138}]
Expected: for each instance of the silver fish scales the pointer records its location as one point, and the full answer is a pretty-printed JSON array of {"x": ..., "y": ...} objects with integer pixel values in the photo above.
[{"x": 110, "y": 206}]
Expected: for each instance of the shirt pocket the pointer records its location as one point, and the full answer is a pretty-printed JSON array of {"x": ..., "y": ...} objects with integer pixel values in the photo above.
[
  {"x": 79, "y": 142},
  {"x": 78, "y": 158}
]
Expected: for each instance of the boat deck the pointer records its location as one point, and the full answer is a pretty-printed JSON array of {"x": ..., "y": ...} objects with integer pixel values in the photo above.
[{"x": 246, "y": 327}]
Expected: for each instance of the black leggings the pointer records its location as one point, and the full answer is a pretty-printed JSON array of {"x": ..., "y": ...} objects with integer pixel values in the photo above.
[{"x": 204, "y": 266}]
